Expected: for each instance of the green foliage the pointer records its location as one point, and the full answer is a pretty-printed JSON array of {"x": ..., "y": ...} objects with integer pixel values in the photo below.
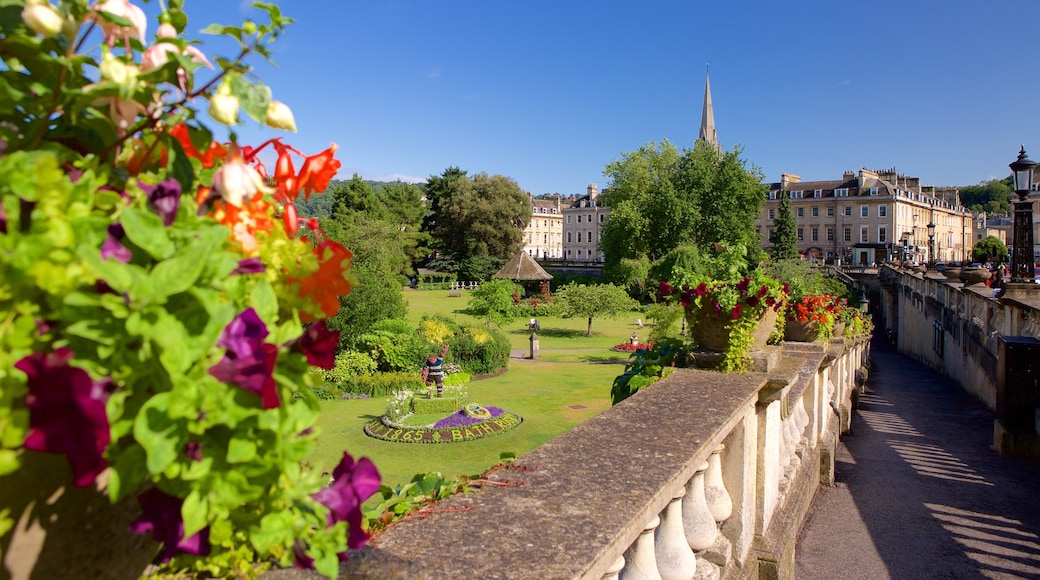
[
  {"x": 785, "y": 238},
  {"x": 661, "y": 199},
  {"x": 989, "y": 249},
  {"x": 805, "y": 279},
  {"x": 394, "y": 346},
  {"x": 474, "y": 219},
  {"x": 381, "y": 384},
  {"x": 537, "y": 307},
  {"x": 493, "y": 300},
  {"x": 604, "y": 300},
  {"x": 991, "y": 196},
  {"x": 480, "y": 351},
  {"x": 647, "y": 367}
]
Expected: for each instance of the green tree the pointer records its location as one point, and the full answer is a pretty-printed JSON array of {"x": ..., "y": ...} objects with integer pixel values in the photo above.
[
  {"x": 493, "y": 300},
  {"x": 989, "y": 249},
  {"x": 785, "y": 239},
  {"x": 661, "y": 199},
  {"x": 594, "y": 300},
  {"x": 480, "y": 216},
  {"x": 354, "y": 196},
  {"x": 402, "y": 207},
  {"x": 991, "y": 196}
]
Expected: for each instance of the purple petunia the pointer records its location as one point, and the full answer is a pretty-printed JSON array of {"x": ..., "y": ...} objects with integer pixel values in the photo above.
[
  {"x": 161, "y": 515},
  {"x": 67, "y": 412},
  {"x": 353, "y": 483},
  {"x": 113, "y": 245},
  {"x": 665, "y": 288},
  {"x": 193, "y": 449},
  {"x": 249, "y": 266},
  {"x": 461, "y": 419},
  {"x": 319, "y": 344},
  {"x": 249, "y": 362},
  {"x": 164, "y": 199}
]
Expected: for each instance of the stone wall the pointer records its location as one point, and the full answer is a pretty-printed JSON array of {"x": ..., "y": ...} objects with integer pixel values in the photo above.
[{"x": 702, "y": 473}]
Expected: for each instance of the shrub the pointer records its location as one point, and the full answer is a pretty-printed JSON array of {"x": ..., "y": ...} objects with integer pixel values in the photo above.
[
  {"x": 382, "y": 384},
  {"x": 435, "y": 331},
  {"x": 395, "y": 352},
  {"x": 480, "y": 351}
]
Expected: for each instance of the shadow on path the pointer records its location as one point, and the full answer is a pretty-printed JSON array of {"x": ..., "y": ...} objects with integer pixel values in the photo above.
[{"x": 919, "y": 491}]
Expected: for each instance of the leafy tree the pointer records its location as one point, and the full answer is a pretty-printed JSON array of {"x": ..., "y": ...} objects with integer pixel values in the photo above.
[
  {"x": 991, "y": 196},
  {"x": 785, "y": 240},
  {"x": 402, "y": 207},
  {"x": 594, "y": 300},
  {"x": 354, "y": 196},
  {"x": 494, "y": 301},
  {"x": 479, "y": 216},
  {"x": 661, "y": 199},
  {"x": 989, "y": 249}
]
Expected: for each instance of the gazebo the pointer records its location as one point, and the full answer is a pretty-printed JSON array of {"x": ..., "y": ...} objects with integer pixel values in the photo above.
[{"x": 522, "y": 268}]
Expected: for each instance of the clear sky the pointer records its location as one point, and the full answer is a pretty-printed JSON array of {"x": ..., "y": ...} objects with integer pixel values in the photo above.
[{"x": 548, "y": 92}]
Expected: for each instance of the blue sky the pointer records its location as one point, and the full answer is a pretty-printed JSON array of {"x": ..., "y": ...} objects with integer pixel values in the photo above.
[{"x": 549, "y": 92}]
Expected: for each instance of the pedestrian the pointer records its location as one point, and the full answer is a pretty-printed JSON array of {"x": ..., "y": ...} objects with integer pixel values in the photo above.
[{"x": 433, "y": 371}]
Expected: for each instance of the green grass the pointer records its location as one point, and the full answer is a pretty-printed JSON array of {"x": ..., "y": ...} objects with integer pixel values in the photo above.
[{"x": 543, "y": 392}]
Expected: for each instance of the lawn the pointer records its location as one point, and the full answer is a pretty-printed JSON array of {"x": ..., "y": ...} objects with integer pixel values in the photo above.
[{"x": 568, "y": 384}]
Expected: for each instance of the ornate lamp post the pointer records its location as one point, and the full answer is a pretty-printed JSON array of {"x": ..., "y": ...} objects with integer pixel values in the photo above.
[
  {"x": 1022, "y": 250},
  {"x": 931, "y": 243}
]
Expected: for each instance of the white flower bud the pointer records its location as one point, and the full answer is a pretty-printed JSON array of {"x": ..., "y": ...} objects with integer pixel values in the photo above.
[
  {"x": 280, "y": 116},
  {"x": 223, "y": 107},
  {"x": 118, "y": 71},
  {"x": 42, "y": 18}
]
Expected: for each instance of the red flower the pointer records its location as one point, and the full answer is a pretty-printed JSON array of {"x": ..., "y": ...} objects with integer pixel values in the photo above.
[
  {"x": 66, "y": 412},
  {"x": 665, "y": 288},
  {"x": 161, "y": 515},
  {"x": 319, "y": 343},
  {"x": 701, "y": 290},
  {"x": 737, "y": 310},
  {"x": 317, "y": 170}
]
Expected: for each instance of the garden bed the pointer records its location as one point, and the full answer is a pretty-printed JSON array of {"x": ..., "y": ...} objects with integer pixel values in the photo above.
[{"x": 474, "y": 421}]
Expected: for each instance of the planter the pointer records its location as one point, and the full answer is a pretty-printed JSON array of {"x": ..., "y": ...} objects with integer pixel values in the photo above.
[
  {"x": 975, "y": 275},
  {"x": 839, "y": 329},
  {"x": 795, "y": 331},
  {"x": 63, "y": 531},
  {"x": 953, "y": 272},
  {"x": 711, "y": 332}
]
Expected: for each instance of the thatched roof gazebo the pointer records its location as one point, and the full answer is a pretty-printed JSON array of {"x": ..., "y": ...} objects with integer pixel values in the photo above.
[{"x": 523, "y": 268}]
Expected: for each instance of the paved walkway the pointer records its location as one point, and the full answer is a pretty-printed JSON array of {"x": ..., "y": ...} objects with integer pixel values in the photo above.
[{"x": 919, "y": 492}]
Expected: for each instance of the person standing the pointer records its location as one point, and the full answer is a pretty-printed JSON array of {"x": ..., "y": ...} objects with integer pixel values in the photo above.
[{"x": 433, "y": 370}]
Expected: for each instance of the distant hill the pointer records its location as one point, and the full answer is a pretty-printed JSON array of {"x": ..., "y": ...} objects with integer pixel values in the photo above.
[{"x": 320, "y": 205}]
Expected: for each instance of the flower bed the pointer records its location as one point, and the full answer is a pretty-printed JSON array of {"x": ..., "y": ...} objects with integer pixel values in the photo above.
[
  {"x": 629, "y": 347},
  {"x": 474, "y": 421}
]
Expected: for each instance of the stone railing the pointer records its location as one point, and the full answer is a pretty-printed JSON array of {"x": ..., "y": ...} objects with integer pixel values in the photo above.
[
  {"x": 701, "y": 475},
  {"x": 982, "y": 338}
]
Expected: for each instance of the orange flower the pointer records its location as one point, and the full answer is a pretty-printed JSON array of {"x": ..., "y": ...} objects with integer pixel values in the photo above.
[
  {"x": 331, "y": 280},
  {"x": 215, "y": 150},
  {"x": 244, "y": 221},
  {"x": 316, "y": 172}
]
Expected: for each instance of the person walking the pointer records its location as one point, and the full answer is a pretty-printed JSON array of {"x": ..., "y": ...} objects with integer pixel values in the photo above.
[{"x": 433, "y": 371}]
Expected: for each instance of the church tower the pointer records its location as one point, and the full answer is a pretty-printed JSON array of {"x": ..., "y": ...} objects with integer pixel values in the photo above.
[{"x": 708, "y": 116}]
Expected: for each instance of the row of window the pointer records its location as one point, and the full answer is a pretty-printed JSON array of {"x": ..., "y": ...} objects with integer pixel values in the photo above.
[
  {"x": 803, "y": 194},
  {"x": 814, "y": 211},
  {"x": 588, "y": 218},
  {"x": 864, "y": 234}
]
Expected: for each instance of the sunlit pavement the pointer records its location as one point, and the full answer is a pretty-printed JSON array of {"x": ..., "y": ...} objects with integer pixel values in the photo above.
[{"x": 920, "y": 493}]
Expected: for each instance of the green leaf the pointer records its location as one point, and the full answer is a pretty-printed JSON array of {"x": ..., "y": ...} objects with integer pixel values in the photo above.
[
  {"x": 127, "y": 474},
  {"x": 147, "y": 231},
  {"x": 180, "y": 165},
  {"x": 241, "y": 450},
  {"x": 275, "y": 530},
  {"x": 8, "y": 462},
  {"x": 264, "y": 300},
  {"x": 180, "y": 272},
  {"x": 254, "y": 99},
  {"x": 157, "y": 433},
  {"x": 195, "y": 512}
]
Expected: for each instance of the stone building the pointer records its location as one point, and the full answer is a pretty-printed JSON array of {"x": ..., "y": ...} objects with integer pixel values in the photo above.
[
  {"x": 583, "y": 219},
  {"x": 543, "y": 236},
  {"x": 868, "y": 217}
]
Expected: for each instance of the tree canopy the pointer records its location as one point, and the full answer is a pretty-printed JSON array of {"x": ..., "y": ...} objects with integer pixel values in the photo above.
[
  {"x": 991, "y": 196},
  {"x": 661, "y": 198},
  {"x": 989, "y": 249},
  {"x": 594, "y": 300},
  {"x": 785, "y": 238},
  {"x": 477, "y": 221}
]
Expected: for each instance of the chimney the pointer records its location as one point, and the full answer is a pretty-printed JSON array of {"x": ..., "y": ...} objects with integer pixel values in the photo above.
[
  {"x": 592, "y": 191},
  {"x": 788, "y": 178}
]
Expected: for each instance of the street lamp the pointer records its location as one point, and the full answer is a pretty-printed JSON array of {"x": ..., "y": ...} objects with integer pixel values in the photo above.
[
  {"x": 1022, "y": 250},
  {"x": 931, "y": 242}
]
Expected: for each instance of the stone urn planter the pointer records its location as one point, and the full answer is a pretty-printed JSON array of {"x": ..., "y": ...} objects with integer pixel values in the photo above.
[
  {"x": 795, "y": 331},
  {"x": 839, "y": 329},
  {"x": 711, "y": 332},
  {"x": 975, "y": 275}
]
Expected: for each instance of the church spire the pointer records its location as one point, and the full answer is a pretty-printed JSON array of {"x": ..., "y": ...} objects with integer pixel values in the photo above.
[{"x": 708, "y": 115}]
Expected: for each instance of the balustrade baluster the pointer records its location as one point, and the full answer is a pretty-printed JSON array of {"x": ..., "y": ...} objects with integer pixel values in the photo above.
[
  {"x": 642, "y": 561},
  {"x": 675, "y": 559},
  {"x": 698, "y": 522},
  {"x": 613, "y": 572},
  {"x": 715, "y": 493}
]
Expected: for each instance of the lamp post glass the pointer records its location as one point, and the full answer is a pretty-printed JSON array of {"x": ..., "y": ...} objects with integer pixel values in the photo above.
[
  {"x": 931, "y": 242},
  {"x": 1022, "y": 250}
]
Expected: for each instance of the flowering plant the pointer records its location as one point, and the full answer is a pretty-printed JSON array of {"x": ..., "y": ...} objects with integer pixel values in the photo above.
[
  {"x": 159, "y": 310},
  {"x": 818, "y": 311},
  {"x": 729, "y": 291}
]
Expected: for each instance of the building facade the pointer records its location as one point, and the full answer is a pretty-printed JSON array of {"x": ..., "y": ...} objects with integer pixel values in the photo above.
[
  {"x": 583, "y": 220},
  {"x": 868, "y": 217},
  {"x": 543, "y": 237}
]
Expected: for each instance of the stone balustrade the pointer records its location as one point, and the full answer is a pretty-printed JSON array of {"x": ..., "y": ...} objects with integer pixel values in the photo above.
[{"x": 702, "y": 475}]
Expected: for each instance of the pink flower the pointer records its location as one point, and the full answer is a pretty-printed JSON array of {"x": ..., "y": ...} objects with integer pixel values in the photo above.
[
  {"x": 236, "y": 181},
  {"x": 156, "y": 55},
  {"x": 319, "y": 344},
  {"x": 161, "y": 515},
  {"x": 67, "y": 412},
  {"x": 352, "y": 484},
  {"x": 123, "y": 9},
  {"x": 701, "y": 290},
  {"x": 737, "y": 310}
]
